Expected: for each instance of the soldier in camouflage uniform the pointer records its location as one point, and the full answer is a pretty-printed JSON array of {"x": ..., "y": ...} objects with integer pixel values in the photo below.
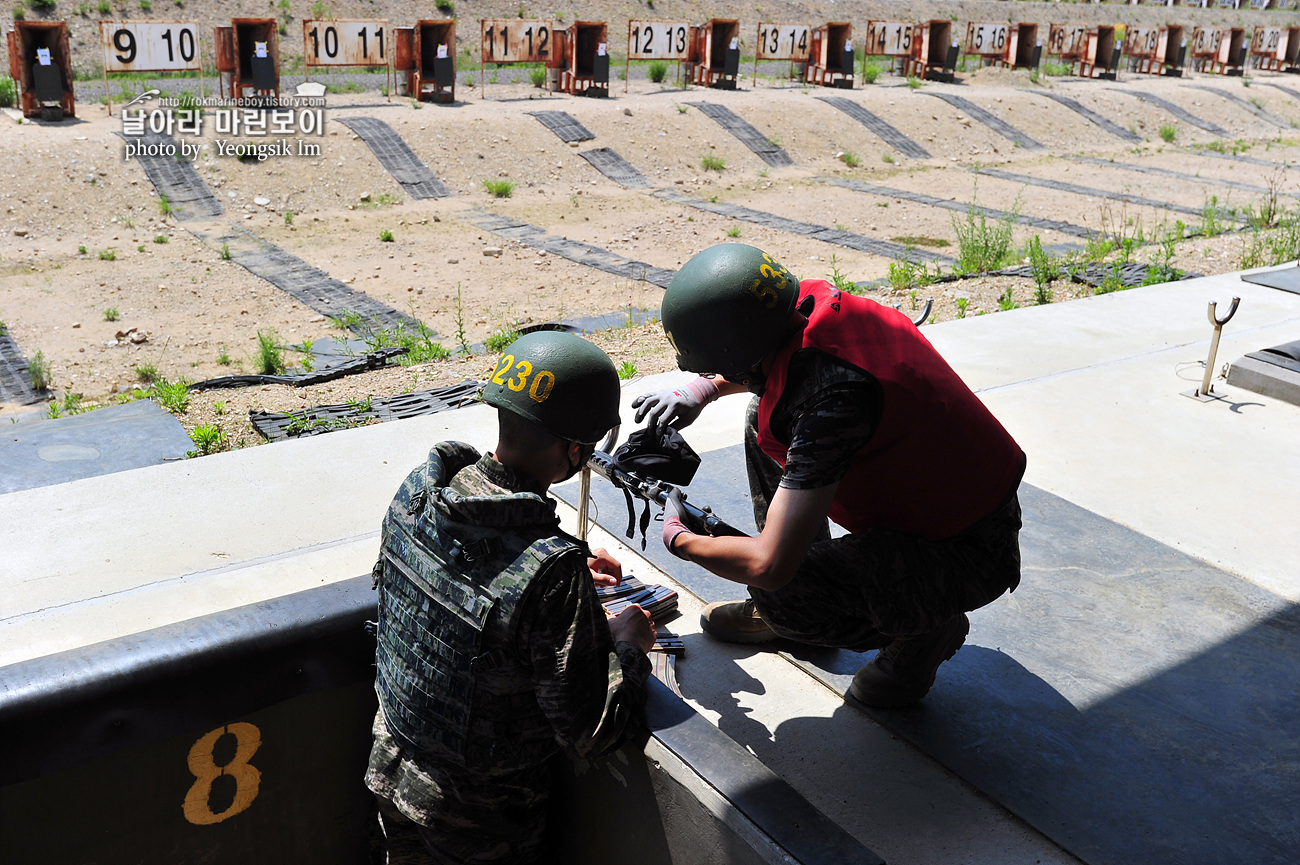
[
  {"x": 858, "y": 418},
  {"x": 494, "y": 653}
]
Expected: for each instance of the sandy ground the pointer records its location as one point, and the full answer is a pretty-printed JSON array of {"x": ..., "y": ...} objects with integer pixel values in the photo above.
[{"x": 82, "y": 231}]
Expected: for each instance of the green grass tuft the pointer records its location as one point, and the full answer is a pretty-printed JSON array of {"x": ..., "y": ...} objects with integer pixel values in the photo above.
[
  {"x": 504, "y": 335},
  {"x": 270, "y": 357},
  {"x": 208, "y": 439},
  {"x": 171, "y": 395},
  {"x": 983, "y": 245},
  {"x": 39, "y": 373}
]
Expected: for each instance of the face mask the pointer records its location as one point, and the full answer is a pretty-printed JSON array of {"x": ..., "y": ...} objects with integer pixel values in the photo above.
[{"x": 585, "y": 451}]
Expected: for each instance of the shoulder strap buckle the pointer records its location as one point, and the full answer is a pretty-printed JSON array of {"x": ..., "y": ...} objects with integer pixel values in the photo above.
[{"x": 474, "y": 550}]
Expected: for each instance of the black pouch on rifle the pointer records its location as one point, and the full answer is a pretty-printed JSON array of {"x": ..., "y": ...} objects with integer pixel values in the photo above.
[{"x": 665, "y": 457}]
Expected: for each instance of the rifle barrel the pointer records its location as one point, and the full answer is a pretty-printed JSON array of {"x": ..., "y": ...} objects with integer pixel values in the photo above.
[{"x": 656, "y": 491}]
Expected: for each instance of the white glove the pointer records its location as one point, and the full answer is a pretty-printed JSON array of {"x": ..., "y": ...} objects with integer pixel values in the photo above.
[{"x": 678, "y": 406}]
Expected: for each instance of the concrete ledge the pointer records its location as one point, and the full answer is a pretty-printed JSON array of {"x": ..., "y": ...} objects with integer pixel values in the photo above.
[{"x": 1265, "y": 379}]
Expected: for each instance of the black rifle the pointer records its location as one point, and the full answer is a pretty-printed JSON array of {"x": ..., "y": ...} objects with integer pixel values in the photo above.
[{"x": 654, "y": 491}]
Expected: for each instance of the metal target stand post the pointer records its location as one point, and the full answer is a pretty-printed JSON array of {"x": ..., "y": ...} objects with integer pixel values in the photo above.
[{"x": 1205, "y": 393}]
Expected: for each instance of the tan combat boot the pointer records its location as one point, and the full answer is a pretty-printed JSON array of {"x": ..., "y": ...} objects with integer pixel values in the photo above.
[
  {"x": 735, "y": 622},
  {"x": 904, "y": 671}
]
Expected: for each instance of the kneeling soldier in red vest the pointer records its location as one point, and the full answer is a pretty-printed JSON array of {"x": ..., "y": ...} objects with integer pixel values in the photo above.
[
  {"x": 858, "y": 418},
  {"x": 494, "y": 653}
]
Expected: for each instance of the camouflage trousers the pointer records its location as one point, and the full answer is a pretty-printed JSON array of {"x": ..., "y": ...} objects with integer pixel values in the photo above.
[
  {"x": 860, "y": 591},
  {"x": 406, "y": 842}
]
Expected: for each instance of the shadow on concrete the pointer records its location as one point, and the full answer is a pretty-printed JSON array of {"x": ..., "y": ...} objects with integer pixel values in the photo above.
[
  {"x": 1131, "y": 702},
  {"x": 1199, "y": 762}
]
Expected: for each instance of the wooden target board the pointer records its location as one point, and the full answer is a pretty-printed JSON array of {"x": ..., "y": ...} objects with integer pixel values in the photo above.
[
  {"x": 1269, "y": 42},
  {"x": 987, "y": 38},
  {"x": 891, "y": 38},
  {"x": 331, "y": 42},
  {"x": 783, "y": 42},
  {"x": 1206, "y": 42},
  {"x": 515, "y": 40},
  {"x": 658, "y": 40},
  {"x": 150, "y": 46},
  {"x": 1068, "y": 41},
  {"x": 1142, "y": 43}
]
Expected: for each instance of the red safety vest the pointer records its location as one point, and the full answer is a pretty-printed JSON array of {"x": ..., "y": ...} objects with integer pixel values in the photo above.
[{"x": 939, "y": 460}]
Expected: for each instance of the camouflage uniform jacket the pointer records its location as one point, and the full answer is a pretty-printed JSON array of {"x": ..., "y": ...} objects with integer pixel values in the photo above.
[{"x": 557, "y": 682}]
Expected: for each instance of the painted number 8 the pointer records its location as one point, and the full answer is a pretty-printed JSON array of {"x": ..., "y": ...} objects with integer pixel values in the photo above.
[
  {"x": 202, "y": 765},
  {"x": 541, "y": 387}
]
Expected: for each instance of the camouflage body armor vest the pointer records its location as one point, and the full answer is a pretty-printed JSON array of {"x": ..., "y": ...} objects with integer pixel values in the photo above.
[{"x": 452, "y": 571}]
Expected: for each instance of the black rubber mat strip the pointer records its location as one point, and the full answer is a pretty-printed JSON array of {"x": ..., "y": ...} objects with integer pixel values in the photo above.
[
  {"x": 744, "y": 132},
  {"x": 366, "y": 363},
  {"x": 1109, "y": 125},
  {"x": 627, "y": 317},
  {"x": 1179, "y": 112},
  {"x": 15, "y": 376},
  {"x": 563, "y": 125},
  {"x": 1237, "y": 157},
  {"x": 958, "y": 206},
  {"x": 1130, "y": 274},
  {"x": 309, "y": 285},
  {"x": 992, "y": 121},
  {"x": 1169, "y": 173},
  {"x": 1243, "y": 104},
  {"x": 397, "y": 157},
  {"x": 884, "y": 248},
  {"x": 615, "y": 167},
  {"x": 175, "y": 178},
  {"x": 276, "y": 426},
  {"x": 883, "y": 130},
  {"x": 572, "y": 250},
  {"x": 1089, "y": 191}
]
